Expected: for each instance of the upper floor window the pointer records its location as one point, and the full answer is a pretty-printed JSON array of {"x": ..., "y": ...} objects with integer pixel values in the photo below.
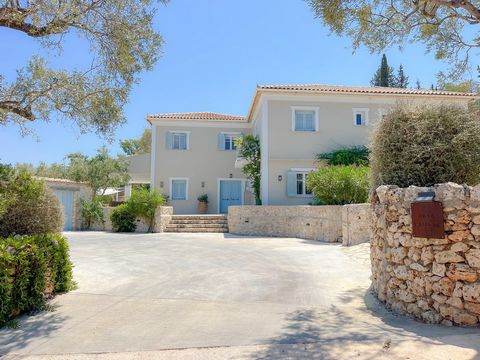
[
  {"x": 360, "y": 117},
  {"x": 228, "y": 141},
  {"x": 304, "y": 118},
  {"x": 177, "y": 140}
]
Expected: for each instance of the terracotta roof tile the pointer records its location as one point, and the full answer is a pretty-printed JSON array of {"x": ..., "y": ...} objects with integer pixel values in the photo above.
[
  {"x": 360, "y": 89},
  {"x": 209, "y": 116}
]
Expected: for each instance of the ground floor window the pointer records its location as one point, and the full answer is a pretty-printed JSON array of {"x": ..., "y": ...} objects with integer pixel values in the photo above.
[
  {"x": 178, "y": 189},
  {"x": 297, "y": 183}
]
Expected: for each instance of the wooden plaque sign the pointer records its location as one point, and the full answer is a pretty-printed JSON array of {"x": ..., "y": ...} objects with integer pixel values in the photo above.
[{"x": 427, "y": 219}]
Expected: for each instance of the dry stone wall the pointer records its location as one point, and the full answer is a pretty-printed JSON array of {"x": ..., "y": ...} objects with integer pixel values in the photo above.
[
  {"x": 330, "y": 223},
  {"x": 435, "y": 280}
]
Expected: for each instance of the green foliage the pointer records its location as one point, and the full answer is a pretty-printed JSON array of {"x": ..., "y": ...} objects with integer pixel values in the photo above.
[
  {"x": 122, "y": 43},
  {"x": 384, "y": 75},
  {"x": 249, "y": 149},
  {"x": 426, "y": 145},
  {"x": 143, "y": 204},
  {"x": 91, "y": 212},
  {"x": 401, "y": 80},
  {"x": 339, "y": 185},
  {"x": 446, "y": 30},
  {"x": 356, "y": 155},
  {"x": 123, "y": 219},
  {"x": 137, "y": 146},
  {"x": 29, "y": 207},
  {"x": 203, "y": 198},
  {"x": 100, "y": 171},
  {"x": 32, "y": 267}
]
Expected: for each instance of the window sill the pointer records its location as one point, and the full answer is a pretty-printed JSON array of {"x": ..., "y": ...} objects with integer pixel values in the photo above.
[{"x": 304, "y": 131}]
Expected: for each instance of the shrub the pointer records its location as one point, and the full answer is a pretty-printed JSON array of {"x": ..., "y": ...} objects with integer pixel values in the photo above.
[
  {"x": 356, "y": 155},
  {"x": 426, "y": 145},
  {"x": 339, "y": 185},
  {"x": 123, "y": 219},
  {"x": 32, "y": 268},
  {"x": 203, "y": 198},
  {"x": 91, "y": 212},
  {"x": 31, "y": 207},
  {"x": 143, "y": 204}
]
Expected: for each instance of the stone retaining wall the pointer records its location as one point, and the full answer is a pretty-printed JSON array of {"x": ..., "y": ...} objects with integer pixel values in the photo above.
[
  {"x": 162, "y": 218},
  {"x": 322, "y": 223},
  {"x": 435, "y": 280}
]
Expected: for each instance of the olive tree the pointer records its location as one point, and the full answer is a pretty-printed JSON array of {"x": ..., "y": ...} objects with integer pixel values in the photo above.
[
  {"x": 445, "y": 27},
  {"x": 122, "y": 43}
]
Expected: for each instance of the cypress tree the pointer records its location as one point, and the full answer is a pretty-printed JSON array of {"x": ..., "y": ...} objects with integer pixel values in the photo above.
[
  {"x": 384, "y": 75},
  {"x": 401, "y": 79}
]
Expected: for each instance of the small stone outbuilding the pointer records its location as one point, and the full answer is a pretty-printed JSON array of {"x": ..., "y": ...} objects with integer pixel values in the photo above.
[{"x": 69, "y": 194}]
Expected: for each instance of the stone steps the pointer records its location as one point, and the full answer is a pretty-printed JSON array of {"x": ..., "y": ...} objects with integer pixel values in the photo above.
[{"x": 198, "y": 223}]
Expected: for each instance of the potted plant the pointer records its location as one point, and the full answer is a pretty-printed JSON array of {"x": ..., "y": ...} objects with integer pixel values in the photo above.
[{"x": 202, "y": 204}]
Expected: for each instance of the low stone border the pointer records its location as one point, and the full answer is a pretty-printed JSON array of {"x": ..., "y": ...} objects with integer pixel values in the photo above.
[
  {"x": 435, "y": 280},
  {"x": 330, "y": 223},
  {"x": 162, "y": 218}
]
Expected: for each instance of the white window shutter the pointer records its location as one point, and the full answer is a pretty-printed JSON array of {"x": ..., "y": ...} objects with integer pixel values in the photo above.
[
  {"x": 221, "y": 141},
  {"x": 292, "y": 183},
  {"x": 168, "y": 140}
]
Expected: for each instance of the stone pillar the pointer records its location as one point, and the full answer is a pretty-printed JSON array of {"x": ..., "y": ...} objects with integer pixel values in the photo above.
[{"x": 434, "y": 280}]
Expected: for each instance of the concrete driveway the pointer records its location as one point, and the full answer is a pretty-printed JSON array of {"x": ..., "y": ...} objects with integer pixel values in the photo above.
[{"x": 216, "y": 296}]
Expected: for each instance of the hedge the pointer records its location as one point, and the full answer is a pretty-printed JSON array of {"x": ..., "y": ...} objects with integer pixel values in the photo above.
[
  {"x": 32, "y": 268},
  {"x": 426, "y": 145}
]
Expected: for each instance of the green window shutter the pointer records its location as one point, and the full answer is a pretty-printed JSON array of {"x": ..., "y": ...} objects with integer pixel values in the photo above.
[
  {"x": 221, "y": 141},
  {"x": 168, "y": 140},
  {"x": 292, "y": 183}
]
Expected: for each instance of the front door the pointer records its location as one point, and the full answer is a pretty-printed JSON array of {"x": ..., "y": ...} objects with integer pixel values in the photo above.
[{"x": 230, "y": 194}]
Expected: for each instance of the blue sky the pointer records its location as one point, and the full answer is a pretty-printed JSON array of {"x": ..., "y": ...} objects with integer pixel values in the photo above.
[{"x": 215, "y": 53}]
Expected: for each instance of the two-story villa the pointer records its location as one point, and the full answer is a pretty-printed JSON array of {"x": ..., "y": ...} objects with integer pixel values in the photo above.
[{"x": 194, "y": 153}]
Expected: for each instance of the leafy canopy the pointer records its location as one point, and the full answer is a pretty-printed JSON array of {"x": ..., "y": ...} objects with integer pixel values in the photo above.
[
  {"x": 100, "y": 171},
  {"x": 356, "y": 155},
  {"x": 137, "y": 146},
  {"x": 444, "y": 27},
  {"x": 122, "y": 44}
]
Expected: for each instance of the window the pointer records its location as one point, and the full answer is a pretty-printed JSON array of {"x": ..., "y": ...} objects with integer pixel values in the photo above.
[
  {"x": 226, "y": 141},
  {"x": 297, "y": 183},
  {"x": 360, "y": 117},
  {"x": 304, "y": 118},
  {"x": 177, "y": 140},
  {"x": 178, "y": 189},
  {"x": 230, "y": 142}
]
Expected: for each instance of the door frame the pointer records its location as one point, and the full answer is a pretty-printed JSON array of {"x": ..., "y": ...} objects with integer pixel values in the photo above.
[{"x": 242, "y": 182}]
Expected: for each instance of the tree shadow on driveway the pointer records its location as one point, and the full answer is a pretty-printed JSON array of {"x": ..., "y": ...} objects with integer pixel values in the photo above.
[
  {"x": 359, "y": 326},
  {"x": 32, "y": 328}
]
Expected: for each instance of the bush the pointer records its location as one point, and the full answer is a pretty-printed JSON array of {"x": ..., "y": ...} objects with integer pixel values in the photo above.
[
  {"x": 91, "y": 212},
  {"x": 31, "y": 269},
  {"x": 356, "y": 155},
  {"x": 426, "y": 145},
  {"x": 339, "y": 185},
  {"x": 143, "y": 204},
  {"x": 29, "y": 206},
  {"x": 123, "y": 219}
]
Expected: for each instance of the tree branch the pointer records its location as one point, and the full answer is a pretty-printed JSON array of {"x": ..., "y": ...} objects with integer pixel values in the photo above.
[
  {"x": 16, "y": 108},
  {"x": 15, "y": 18}
]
